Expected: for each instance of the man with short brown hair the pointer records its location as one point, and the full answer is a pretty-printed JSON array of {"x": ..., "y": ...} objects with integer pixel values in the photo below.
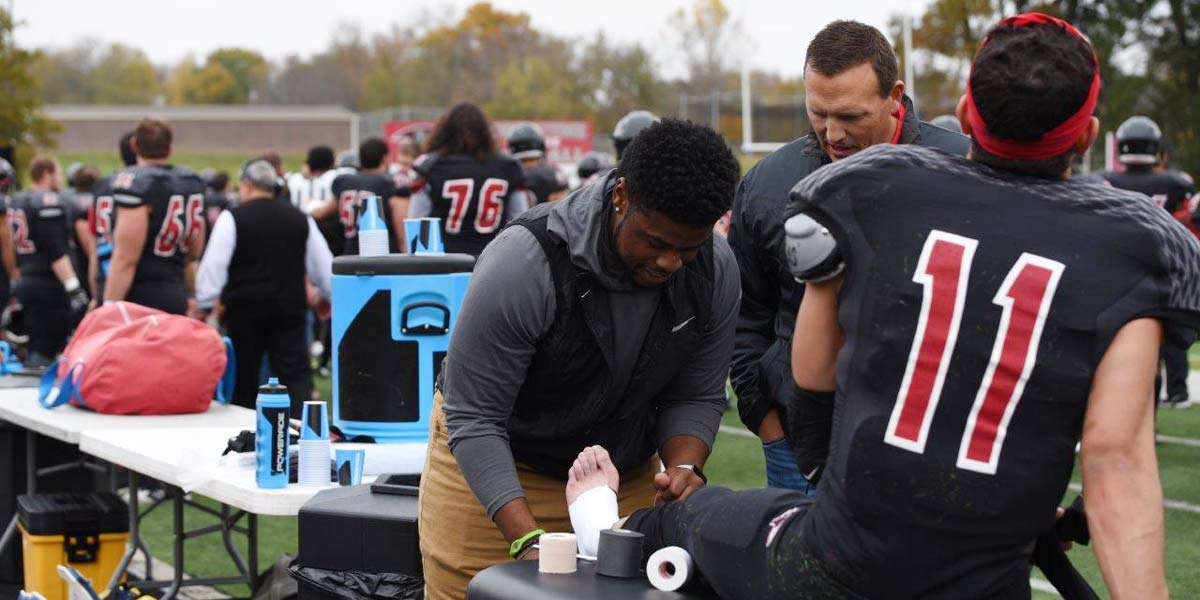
[
  {"x": 854, "y": 100},
  {"x": 158, "y": 229}
]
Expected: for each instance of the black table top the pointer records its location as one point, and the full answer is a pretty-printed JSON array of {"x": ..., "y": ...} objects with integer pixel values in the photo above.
[{"x": 520, "y": 580}]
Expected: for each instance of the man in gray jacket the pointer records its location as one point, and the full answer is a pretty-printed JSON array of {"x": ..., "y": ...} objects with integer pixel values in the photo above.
[{"x": 606, "y": 318}]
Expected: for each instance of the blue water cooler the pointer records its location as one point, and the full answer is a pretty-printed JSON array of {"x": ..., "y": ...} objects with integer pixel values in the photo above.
[{"x": 392, "y": 316}]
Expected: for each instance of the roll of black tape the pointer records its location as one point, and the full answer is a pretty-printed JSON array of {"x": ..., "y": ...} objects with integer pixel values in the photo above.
[{"x": 620, "y": 553}]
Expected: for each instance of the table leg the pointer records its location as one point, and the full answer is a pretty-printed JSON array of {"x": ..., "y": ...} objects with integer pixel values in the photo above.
[
  {"x": 177, "y": 579},
  {"x": 30, "y": 462},
  {"x": 131, "y": 546},
  {"x": 252, "y": 549}
]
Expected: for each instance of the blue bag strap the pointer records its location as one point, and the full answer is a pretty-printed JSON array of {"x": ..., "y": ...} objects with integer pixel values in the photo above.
[
  {"x": 229, "y": 377},
  {"x": 67, "y": 385}
]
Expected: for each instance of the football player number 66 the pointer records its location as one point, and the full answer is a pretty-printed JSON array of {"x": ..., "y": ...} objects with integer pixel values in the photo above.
[
  {"x": 183, "y": 223},
  {"x": 1024, "y": 296}
]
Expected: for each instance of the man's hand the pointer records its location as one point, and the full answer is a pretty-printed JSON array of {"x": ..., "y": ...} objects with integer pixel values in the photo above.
[
  {"x": 771, "y": 428},
  {"x": 532, "y": 554},
  {"x": 676, "y": 484}
]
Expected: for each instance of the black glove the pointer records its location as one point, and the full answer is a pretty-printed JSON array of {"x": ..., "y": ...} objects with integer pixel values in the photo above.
[{"x": 79, "y": 300}]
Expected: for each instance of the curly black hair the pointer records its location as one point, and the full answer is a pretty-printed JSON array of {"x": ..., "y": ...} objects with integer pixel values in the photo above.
[
  {"x": 682, "y": 170},
  {"x": 1012, "y": 78}
]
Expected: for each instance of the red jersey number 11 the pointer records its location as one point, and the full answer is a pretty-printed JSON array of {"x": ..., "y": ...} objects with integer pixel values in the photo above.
[{"x": 1024, "y": 297}]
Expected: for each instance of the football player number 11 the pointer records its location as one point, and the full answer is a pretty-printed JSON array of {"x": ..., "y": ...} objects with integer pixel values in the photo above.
[{"x": 1024, "y": 297}]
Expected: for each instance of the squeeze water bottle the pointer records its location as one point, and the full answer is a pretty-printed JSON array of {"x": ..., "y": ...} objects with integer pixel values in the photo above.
[
  {"x": 271, "y": 438},
  {"x": 372, "y": 231}
]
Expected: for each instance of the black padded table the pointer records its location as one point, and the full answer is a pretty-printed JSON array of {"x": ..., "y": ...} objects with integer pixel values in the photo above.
[{"x": 520, "y": 580}]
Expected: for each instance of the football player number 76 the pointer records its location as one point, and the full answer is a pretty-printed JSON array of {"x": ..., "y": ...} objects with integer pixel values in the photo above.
[{"x": 1024, "y": 297}]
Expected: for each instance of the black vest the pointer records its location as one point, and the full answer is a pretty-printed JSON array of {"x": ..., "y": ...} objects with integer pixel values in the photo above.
[
  {"x": 569, "y": 380},
  {"x": 267, "y": 267}
]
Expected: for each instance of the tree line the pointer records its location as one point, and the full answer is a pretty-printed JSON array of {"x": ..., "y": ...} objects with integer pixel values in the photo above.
[
  {"x": 1149, "y": 52},
  {"x": 487, "y": 55}
]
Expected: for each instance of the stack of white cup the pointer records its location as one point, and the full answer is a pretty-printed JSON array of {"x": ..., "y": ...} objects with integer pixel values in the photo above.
[{"x": 315, "y": 449}]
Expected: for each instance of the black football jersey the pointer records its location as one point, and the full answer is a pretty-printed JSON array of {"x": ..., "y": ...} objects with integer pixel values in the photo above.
[
  {"x": 100, "y": 216},
  {"x": 543, "y": 180},
  {"x": 1168, "y": 189},
  {"x": 351, "y": 191},
  {"x": 976, "y": 306},
  {"x": 176, "y": 199},
  {"x": 39, "y": 231},
  {"x": 469, "y": 196}
]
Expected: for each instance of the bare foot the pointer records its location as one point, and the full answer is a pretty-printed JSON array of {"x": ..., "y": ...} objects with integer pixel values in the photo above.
[{"x": 593, "y": 468}]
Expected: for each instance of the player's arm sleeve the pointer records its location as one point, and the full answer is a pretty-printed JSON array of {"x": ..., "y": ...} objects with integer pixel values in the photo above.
[
  {"x": 518, "y": 202},
  {"x": 420, "y": 205},
  {"x": 755, "y": 324},
  {"x": 48, "y": 231},
  {"x": 491, "y": 347},
  {"x": 318, "y": 260},
  {"x": 693, "y": 403},
  {"x": 214, "y": 266}
]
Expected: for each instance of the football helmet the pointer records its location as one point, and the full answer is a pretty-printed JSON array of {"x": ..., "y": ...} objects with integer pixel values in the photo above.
[
  {"x": 1139, "y": 141},
  {"x": 594, "y": 162},
  {"x": 526, "y": 141},
  {"x": 629, "y": 126}
]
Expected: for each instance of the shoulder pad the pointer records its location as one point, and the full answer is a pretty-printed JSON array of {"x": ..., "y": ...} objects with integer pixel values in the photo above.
[
  {"x": 133, "y": 180},
  {"x": 424, "y": 163},
  {"x": 812, "y": 253}
]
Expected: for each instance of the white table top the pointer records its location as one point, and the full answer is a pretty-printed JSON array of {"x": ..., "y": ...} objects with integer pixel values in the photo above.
[
  {"x": 65, "y": 423},
  {"x": 190, "y": 458}
]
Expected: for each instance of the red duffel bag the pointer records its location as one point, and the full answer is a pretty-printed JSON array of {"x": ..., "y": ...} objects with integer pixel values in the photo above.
[{"x": 127, "y": 359}]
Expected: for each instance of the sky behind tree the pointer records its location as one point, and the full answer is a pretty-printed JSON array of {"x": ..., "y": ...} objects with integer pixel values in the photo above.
[{"x": 168, "y": 30}]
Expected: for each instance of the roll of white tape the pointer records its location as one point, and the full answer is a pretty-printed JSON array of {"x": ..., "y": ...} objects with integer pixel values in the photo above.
[
  {"x": 670, "y": 568},
  {"x": 556, "y": 553}
]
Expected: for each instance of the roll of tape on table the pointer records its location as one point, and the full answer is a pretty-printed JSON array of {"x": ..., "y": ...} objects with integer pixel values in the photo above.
[
  {"x": 670, "y": 568},
  {"x": 556, "y": 553},
  {"x": 620, "y": 553}
]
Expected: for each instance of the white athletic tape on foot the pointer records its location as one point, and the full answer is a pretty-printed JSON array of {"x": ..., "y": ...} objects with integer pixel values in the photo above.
[{"x": 592, "y": 511}]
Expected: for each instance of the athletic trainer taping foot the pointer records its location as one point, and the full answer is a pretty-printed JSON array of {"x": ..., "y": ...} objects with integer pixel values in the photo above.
[{"x": 606, "y": 318}]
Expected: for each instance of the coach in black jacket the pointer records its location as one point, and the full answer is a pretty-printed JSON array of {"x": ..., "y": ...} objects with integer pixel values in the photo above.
[{"x": 854, "y": 100}]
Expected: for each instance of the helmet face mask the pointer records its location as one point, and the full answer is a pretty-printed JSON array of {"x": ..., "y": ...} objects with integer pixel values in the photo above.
[{"x": 1139, "y": 141}]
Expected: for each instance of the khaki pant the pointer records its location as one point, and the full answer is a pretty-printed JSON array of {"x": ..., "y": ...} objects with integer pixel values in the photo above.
[{"x": 458, "y": 539}]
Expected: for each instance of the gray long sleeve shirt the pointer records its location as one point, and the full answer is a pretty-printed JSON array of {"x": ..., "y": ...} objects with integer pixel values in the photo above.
[{"x": 510, "y": 305}]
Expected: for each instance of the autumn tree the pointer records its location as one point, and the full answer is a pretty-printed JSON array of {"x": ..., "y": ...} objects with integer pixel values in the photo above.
[{"x": 22, "y": 124}]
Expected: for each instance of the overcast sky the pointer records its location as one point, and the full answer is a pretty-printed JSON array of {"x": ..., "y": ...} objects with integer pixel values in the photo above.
[{"x": 171, "y": 29}]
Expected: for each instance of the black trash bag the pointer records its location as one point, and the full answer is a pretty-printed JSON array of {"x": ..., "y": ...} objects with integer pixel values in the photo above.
[
  {"x": 276, "y": 583},
  {"x": 355, "y": 585}
]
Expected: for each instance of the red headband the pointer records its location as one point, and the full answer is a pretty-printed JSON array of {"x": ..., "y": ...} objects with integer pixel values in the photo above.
[{"x": 1053, "y": 142}]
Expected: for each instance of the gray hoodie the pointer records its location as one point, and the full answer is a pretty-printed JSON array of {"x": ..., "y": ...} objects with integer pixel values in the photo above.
[{"x": 510, "y": 305}]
